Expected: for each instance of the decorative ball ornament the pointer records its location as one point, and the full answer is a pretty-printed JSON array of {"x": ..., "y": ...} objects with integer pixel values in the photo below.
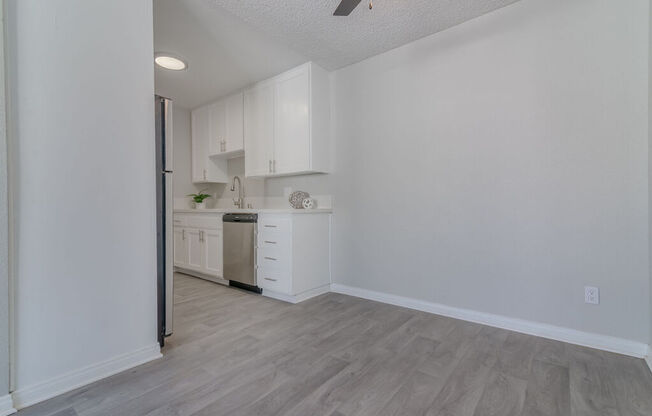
[
  {"x": 309, "y": 203},
  {"x": 296, "y": 199}
]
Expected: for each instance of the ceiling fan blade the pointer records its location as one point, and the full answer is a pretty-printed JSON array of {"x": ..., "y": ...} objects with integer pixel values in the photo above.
[{"x": 346, "y": 7}]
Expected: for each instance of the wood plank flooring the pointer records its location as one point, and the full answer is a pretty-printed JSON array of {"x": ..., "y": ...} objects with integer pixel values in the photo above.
[{"x": 236, "y": 353}]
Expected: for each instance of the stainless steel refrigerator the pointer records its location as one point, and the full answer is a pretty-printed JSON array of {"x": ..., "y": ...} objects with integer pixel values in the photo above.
[{"x": 164, "y": 206}]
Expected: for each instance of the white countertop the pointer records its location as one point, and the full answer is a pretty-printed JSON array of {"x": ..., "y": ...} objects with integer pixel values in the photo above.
[{"x": 255, "y": 211}]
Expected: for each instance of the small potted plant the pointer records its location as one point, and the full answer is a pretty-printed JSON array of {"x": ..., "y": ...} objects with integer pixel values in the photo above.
[{"x": 199, "y": 198}]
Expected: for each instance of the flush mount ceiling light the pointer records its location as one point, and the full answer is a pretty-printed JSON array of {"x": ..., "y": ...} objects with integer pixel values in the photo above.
[{"x": 168, "y": 61}]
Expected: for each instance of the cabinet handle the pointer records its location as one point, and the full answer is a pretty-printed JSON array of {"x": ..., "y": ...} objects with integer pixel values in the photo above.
[
  {"x": 270, "y": 279},
  {"x": 183, "y": 234},
  {"x": 270, "y": 258},
  {"x": 270, "y": 166},
  {"x": 270, "y": 226},
  {"x": 204, "y": 174},
  {"x": 270, "y": 242},
  {"x": 274, "y": 166}
]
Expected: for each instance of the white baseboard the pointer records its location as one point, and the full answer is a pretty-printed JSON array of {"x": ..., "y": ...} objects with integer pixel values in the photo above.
[
  {"x": 28, "y": 396},
  {"x": 6, "y": 405},
  {"x": 572, "y": 336},
  {"x": 299, "y": 297},
  {"x": 648, "y": 357}
]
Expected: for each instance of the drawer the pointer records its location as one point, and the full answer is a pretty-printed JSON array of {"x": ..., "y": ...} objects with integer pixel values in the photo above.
[
  {"x": 274, "y": 239},
  {"x": 276, "y": 223},
  {"x": 274, "y": 280},
  {"x": 204, "y": 221},
  {"x": 273, "y": 258},
  {"x": 180, "y": 220}
]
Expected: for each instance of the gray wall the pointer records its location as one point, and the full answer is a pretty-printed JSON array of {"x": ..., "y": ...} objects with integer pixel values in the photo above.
[
  {"x": 4, "y": 226},
  {"x": 82, "y": 85},
  {"x": 502, "y": 165},
  {"x": 650, "y": 169},
  {"x": 182, "y": 184}
]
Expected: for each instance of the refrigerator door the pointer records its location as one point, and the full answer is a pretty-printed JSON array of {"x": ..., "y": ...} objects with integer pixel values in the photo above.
[
  {"x": 168, "y": 144},
  {"x": 164, "y": 213},
  {"x": 169, "y": 255}
]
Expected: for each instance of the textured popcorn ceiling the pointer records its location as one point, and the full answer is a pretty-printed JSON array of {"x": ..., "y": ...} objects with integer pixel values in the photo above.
[
  {"x": 309, "y": 27},
  {"x": 230, "y": 44},
  {"x": 223, "y": 53}
]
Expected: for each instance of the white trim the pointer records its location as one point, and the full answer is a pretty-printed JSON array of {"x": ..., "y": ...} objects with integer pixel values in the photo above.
[
  {"x": 6, "y": 405},
  {"x": 648, "y": 357},
  {"x": 602, "y": 342},
  {"x": 297, "y": 298},
  {"x": 37, "y": 393}
]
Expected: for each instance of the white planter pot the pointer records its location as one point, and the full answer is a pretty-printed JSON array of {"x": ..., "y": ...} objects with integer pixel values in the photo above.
[{"x": 200, "y": 205}]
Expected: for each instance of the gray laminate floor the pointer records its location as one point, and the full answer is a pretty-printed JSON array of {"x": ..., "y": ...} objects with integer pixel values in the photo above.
[{"x": 234, "y": 353}]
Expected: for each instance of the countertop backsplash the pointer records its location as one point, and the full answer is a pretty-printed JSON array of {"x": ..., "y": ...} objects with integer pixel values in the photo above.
[{"x": 268, "y": 202}]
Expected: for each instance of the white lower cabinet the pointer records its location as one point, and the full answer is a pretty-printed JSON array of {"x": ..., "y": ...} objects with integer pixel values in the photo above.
[
  {"x": 195, "y": 252},
  {"x": 292, "y": 252},
  {"x": 180, "y": 247},
  {"x": 293, "y": 256},
  {"x": 198, "y": 244},
  {"x": 212, "y": 252}
]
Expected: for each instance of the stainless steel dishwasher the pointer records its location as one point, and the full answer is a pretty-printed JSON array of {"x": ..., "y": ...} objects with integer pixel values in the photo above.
[{"x": 239, "y": 250}]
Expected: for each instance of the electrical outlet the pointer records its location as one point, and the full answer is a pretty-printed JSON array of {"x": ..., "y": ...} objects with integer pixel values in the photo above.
[{"x": 591, "y": 295}]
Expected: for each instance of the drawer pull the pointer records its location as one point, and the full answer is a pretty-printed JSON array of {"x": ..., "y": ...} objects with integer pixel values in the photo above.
[
  {"x": 270, "y": 258},
  {"x": 270, "y": 226},
  {"x": 270, "y": 279},
  {"x": 270, "y": 242}
]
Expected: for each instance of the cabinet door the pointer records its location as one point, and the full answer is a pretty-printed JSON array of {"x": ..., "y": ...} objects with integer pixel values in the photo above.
[
  {"x": 234, "y": 113},
  {"x": 259, "y": 129},
  {"x": 180, "y": 248},
  {"x": 217, "y": 142},
  {"x": 200, "y": 125},
  {"x": 212, "y": 252},
  {"x": 194, "y": 249},
  {"x": 292, "y": 122}
]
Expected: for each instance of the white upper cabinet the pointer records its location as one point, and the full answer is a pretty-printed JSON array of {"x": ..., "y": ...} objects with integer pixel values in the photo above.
[
  {"x": 287, "y": 124},
  {"x": 259, "y": 128},
  {"x": 234, "y": 124},
  {"x": 204, "y": 168},
  {"x": 292, "y": 123},
  {"x": 226, "y": 127},
  {"x": 217, "y": 122}
]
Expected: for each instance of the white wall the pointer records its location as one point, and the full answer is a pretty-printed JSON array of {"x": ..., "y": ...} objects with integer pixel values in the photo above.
[
  {"x": 650, "y": 175},
  {"x": 182, "y": 184},
  {"x": 82, "y": 99},
  {"x": 502, "y": 165},
  {"x": 4, "y": 227}
]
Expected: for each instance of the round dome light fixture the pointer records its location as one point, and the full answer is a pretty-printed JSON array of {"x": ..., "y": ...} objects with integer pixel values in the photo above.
[{"x": 168, "y": 61}]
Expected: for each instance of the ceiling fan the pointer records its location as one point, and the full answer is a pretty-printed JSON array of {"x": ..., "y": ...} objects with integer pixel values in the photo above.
[{"x": 346, "y": 7}]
